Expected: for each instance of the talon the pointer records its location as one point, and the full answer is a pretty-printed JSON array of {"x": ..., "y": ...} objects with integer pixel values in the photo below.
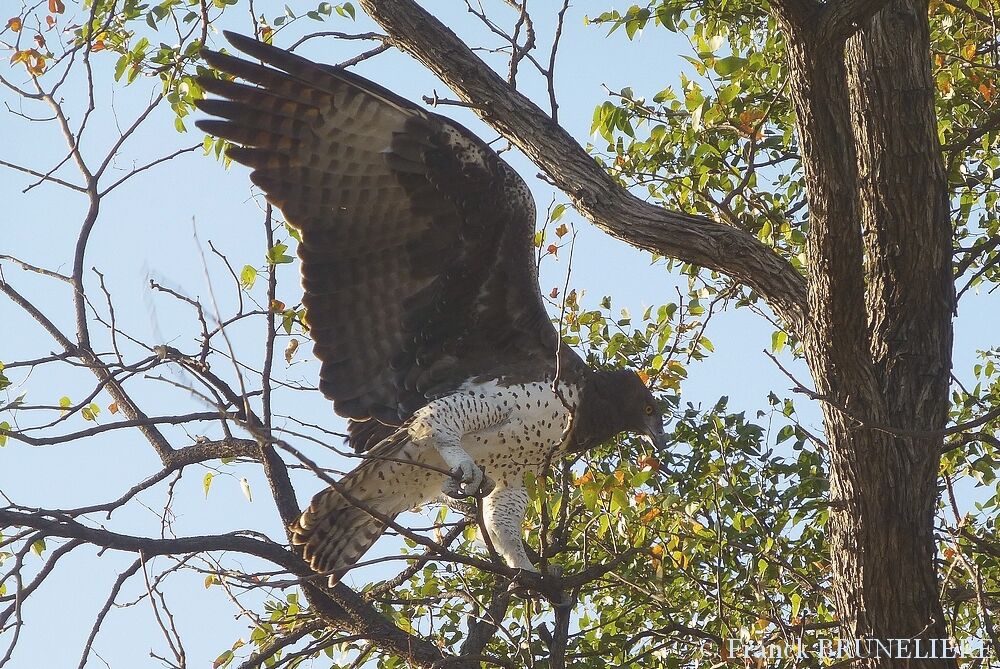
[
  {"x": 487, "y": 486},
  {"x": 465, "y": 480}
]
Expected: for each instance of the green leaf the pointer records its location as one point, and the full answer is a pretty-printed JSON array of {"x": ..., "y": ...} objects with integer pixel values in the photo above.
[
  {"x": 206, "y": 483},
  {"x": 589, "y": 492},
  {"x": 91, "y": 411},
  {"x": 276, "y": 255},
  {"x": 778, "y": 339},
  {"x": 724, "y": 67},
  {"x": 248, "y": 276},
  {"x": 347, "y": 11},
  {"x": 38, "y": 547},
  {"x": 4, "y": 427}
]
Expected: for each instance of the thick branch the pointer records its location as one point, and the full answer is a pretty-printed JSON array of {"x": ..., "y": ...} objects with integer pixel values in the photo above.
[
  {"x": 693, "y": 239},
  {"x": 842, "y": 19}
]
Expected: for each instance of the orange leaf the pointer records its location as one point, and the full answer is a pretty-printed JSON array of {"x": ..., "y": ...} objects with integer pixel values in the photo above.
[
  {"x": 656, "y": 550},
  {"x": 554, "y": 294},
  {"x": 277, "y": 305},
  {"x": 561, "y": 230},
  {"x": 20, "y": 56},
  {"x": 553, "y": 249},
  {"x": 986, "y": 91},
  {"x": 619, "y": 476},
  {"x": 57, "y": 6},
  {"x": 649, "y": 461},
  {"x": 40, "y": 41},
  {"x": 113, "y": 407},
  {"x": 585, "y": 479},
  {"x": 640, "y": 497},
  {"x": 644, "y": 377},
  {"x": 50, "y": 20},
  {"x": 98, "y": 46},
  {"x": 14, "y": 24},
  {"x": 969, "y": 51},
  {"x": 651, "y": 515}
]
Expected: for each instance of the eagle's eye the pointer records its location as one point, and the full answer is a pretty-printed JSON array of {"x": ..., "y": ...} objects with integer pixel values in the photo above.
[{"x": 649, "y": 409}]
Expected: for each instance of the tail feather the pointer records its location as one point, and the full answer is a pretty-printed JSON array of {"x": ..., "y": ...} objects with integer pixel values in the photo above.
[{"x": 344, "y": 521}]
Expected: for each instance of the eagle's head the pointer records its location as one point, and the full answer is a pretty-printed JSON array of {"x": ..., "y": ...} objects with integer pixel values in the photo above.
[{"x": 615, "y": 401}]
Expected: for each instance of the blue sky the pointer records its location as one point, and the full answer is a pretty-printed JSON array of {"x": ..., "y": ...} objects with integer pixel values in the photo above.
[{"x": 158, "y": 226}]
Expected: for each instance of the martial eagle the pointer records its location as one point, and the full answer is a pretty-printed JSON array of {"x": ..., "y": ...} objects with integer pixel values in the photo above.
[{"x": 419, "y": 277}]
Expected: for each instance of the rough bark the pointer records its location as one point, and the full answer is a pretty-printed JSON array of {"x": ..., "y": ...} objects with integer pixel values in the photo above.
[{"x": 881, "y": 299}]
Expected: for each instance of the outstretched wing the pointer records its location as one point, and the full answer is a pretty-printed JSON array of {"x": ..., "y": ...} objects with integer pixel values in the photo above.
[{"x": 417, "y": 262}]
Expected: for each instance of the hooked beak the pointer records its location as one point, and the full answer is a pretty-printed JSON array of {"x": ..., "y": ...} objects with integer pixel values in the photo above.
[{"x": 658, "y": 437}]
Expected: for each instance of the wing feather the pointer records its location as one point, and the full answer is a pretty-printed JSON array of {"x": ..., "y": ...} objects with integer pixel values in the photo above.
[{"x": 417, "y": 264}]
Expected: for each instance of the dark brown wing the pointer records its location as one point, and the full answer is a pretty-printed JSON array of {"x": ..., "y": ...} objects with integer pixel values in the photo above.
[{"x": 417, "y": 263}]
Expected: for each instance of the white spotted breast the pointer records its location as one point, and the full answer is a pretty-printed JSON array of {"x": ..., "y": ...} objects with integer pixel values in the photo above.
[{"x": 531, "y": 435}]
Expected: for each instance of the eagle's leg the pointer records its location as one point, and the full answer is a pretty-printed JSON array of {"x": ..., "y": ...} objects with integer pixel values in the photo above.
[
  {"x": 503, "y": 516},
  {"x": 442, "y": 424},
  {"x": 466, "y": 476}
]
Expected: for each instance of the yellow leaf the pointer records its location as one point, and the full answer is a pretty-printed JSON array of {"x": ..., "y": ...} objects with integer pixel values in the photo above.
[
  {"x": 969, "y": 51},
  {"x": 293, "y": 346}
]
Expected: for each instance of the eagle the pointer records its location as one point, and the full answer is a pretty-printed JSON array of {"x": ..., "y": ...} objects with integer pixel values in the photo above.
[{"x": 420, "y": 282}]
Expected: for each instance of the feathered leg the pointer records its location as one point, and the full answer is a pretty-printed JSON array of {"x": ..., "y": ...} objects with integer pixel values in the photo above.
[
  {"x": 503, "y": 515},
  {"x": 345, "y": 520}
]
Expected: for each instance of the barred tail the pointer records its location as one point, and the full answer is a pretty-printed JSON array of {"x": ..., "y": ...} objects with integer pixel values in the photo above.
[{"x": 340, "y": 524}]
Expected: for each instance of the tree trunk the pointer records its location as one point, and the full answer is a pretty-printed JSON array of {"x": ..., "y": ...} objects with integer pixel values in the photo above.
[{"x": 881, "y": 297}]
